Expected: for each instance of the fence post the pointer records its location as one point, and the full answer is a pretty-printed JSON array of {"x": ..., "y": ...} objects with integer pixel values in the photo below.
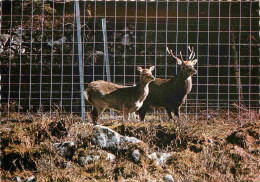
[
  {"x": 80, "y": 61},
  {"x": 0, "y": 59},
  {"x": 106, "y": 56},
  {"x": 106, "y": 49}
]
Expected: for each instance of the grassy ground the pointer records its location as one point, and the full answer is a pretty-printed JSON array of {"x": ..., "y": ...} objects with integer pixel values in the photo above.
[{"x": 211, "y": 148}]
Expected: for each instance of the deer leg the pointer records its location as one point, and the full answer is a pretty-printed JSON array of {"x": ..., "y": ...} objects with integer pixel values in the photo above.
[
  {"x": 94, "y": 115},
  {"x": 142, "y": 113},
  {"x": 125, "y": 115},
  {"x": 177, "y": 115},
  {"x": 177, "y": 112},
  {"x": 132, "y": 116},
  {"x": 96, "y": 112},
  {"x": 169, "y": 112}
]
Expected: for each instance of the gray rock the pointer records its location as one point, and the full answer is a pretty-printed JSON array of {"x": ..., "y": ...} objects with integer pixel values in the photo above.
[
  {"x": 31, "y": 179},
  {"x": 19, "y": 31},
  {"x": 152, "y": 156},
  {"x": 110, "y": 157},
  {"x": 163, "y": 159},
  {"x": 136, "y": 155},
  {"x": 89, "y": 159},
  {"x": 82, "y": 160},
  {"x": 107, "y": 138},
  {"x": 131, "y": 139},
  {"x": 4, "y": 38},
  {"x": 16, "y": 40},
  {"x": 65, "y": 165},
  {"x": 66, "y": 149},
  {"x": 168, "y": 178},
  {"x": 18, "y": 179},
  {"x": 160, "y": 159}
]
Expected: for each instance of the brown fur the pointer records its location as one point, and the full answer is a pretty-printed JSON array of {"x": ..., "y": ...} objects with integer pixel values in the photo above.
[
  {"x": 103, "y": 95},
  {"x": 170, "y": 93}
]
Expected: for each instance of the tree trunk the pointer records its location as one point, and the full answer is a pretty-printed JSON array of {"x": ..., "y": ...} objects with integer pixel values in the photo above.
[{"x": 237, "y": 73}]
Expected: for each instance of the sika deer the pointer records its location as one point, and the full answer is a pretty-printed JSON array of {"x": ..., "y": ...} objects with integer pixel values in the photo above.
[
  {"x": 106, "y": 95},
  {"x": 171, "y": 93}
]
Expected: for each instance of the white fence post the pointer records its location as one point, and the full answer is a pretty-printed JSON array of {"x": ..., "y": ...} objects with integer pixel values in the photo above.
[{"x": 80, "y": 61}]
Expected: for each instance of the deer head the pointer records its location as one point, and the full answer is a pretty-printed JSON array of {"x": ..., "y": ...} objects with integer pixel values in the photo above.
[
  {"x": 146, "y": 75},
  {"x": 187, "y": 66}
]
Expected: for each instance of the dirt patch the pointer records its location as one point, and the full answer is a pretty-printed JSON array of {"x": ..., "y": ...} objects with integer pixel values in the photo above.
[
  {"x": 58, "y": 128},
  {"x": 246, "y": 136}
]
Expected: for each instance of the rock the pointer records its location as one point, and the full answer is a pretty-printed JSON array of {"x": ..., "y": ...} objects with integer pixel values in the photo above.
[
  {"x": 16, "y": 40},
  {"x": 66, "y": 149},
  {"x": 18, "y": 179},
  {"x": 4, "y": 38},
  {"x": 95, "y": 156},
  {"x": 90, "y": 159},
  {"x": 31, "y": 179},
  {"x": 107, "y": 138},
  {"x": 163, "y": 159},
  {"x": 110, "y": 157},
  {"x": 160, "y": 159},
  {"x": 168, "y": 178},
  {"x": 20, "y": 31},
  {"x": 65, "y": 164},
  {"x": 131, "y": 139},
  {"x": 136, "y": 155},
  {"x": 152, "y": 156}
]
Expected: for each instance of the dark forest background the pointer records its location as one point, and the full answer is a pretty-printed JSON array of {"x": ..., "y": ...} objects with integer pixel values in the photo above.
[{"x": 39, "y": 47}]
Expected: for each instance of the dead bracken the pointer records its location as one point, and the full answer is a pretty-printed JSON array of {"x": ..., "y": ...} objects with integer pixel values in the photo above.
[{"x": 62, "y": 147}]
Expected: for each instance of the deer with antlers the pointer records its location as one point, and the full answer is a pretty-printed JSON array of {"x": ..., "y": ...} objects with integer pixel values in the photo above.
[{"x": 171, "y": 93}]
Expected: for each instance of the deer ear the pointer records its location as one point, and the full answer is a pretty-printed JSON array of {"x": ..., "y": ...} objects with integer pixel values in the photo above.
[
  {"x": 151, "y": 68},
  {"x": 139, "y": 68},
  {"x": 194, "y": 62}
]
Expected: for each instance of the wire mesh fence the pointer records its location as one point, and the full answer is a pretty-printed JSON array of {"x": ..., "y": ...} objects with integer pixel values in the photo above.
[{"x": 40, "y": 50}]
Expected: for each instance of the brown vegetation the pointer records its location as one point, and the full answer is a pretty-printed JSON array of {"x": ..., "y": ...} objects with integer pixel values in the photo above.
[{"x": 214, "y": 149}]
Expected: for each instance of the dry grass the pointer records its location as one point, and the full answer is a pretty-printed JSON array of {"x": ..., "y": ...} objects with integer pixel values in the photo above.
[{"x": 215, "y": 147}]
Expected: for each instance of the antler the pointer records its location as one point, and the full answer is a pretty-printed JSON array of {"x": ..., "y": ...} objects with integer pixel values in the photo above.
[
  {"x": 192, "y": 54},
  {"x": 171, "y": 53}
]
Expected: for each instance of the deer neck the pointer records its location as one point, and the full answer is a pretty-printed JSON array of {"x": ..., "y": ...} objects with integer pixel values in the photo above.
[
  {"x": 142, "y": 90},
  {"x": 183, "y": 77},
  {"x": 189, "y": 84}
]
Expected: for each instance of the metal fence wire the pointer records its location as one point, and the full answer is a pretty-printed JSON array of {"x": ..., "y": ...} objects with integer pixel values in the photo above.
[{"x": 45, "y": 47}]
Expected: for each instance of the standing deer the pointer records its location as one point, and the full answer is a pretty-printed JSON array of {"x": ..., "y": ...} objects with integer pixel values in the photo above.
[
  {"x": 106, "y": 95},
  {"x": 171, "y": 93}
]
